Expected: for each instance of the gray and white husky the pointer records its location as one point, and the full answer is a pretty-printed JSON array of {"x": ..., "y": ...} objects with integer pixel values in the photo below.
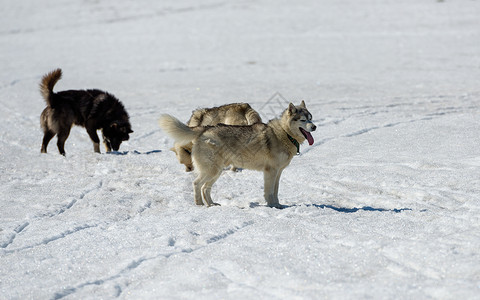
[
  {"x": 228, "y": 114},
  {"x": 264, "y": 147}
]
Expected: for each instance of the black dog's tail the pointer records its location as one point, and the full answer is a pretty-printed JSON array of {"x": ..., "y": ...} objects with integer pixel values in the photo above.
[{"x": 48, "y": 82}]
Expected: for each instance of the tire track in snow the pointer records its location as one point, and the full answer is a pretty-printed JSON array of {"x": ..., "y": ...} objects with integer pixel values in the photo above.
[
  {"x": 373, "y": 128},
  {"x": 390, "y": 125},
  {"x": 18, "y": 80},
  {"x": 367, "y": 111},
  {"x": 65, "y": 207},
  {"x": 116, "y": 19},
  {"x": 403, "y": 265},
  {"x": 21, "y": 227},
  {"x": 57, "y": 211},
  {"x": 67, "y": 291},
  {"x": 12, "y": 236},
  {"x": 50, "y": 214},
  {"x": 9, "y": 241},
  {"x": 228, "y": 233},
  {"x": 53, "y": 238},
  {"x": 145, "y": 135}
]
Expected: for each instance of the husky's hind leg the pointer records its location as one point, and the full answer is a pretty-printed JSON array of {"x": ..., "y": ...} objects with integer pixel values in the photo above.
[
  {"x": 202, "y": 186},
  {"x": 197, "y": 189},
  {"x": 47, "y": 137},
  {"x": 209, "y": 166},
  {"x": 207, "y": 188}
]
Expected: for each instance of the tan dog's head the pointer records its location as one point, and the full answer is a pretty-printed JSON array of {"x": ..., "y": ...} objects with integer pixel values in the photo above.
[{"x": 184, "y": 155}]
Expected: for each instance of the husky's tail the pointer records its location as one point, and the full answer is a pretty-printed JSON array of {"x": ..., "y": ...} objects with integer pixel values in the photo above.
[
  {"x": 179, "y": 131},
  {"x": 47, "y": 84}
]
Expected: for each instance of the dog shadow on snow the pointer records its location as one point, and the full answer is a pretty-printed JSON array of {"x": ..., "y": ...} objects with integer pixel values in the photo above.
[
  {"x": 133, "y": 152},
  {"x": 346, "y": 210}
]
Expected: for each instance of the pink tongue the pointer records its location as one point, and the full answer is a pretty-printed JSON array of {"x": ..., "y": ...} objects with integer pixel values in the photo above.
[{"x": 308, "y": 136}]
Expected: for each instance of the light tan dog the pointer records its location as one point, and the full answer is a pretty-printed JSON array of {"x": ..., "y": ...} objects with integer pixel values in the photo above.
[
  {"x": 229, "y": 114},
  {"x": 264, "y": 147}
]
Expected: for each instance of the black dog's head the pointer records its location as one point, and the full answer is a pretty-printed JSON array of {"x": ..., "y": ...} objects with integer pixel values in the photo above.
[{"x": 115, "y": 134}]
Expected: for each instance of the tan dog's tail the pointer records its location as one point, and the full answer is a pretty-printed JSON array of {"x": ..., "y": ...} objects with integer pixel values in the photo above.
[
  {"x": 47, "y": 84},
  {"x": 180, "y": 132}
]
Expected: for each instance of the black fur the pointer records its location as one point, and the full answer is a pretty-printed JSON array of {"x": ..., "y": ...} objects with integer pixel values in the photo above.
[{"x": 92, "y": 109}]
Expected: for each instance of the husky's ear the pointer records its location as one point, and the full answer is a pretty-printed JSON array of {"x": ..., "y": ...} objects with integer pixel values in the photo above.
[
  {"x": 302, "y": 105},
  {"x": 291, "y": 108}
]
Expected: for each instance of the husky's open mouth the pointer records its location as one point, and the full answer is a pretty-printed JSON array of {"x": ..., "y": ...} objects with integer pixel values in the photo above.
[{"x": 307, "y": 135}]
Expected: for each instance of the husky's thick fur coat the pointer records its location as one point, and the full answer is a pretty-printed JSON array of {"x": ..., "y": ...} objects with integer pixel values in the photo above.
[
  {"x": 92, "y": 109},
  {"x": 229, "y": 114},
  {"x": 264, "y": 147}
]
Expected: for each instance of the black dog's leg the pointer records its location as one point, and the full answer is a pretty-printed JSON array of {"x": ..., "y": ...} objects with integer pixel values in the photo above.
[
  {"x": 61, "y": 138},
  {"x": 92, "y": 132},
  {"x": 107, "y": 147},
  {"x": 106, "y": 143},
  {"x": 46, "y": 139}
]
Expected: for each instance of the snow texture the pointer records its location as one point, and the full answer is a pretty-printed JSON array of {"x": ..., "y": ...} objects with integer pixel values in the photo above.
[{"x": 384, "y": 205}]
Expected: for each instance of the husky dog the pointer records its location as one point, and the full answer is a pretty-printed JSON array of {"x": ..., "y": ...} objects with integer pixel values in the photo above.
[
  {"x": 264, "y": 147},
  {"x": 229, "y": 114},
  {"x": 92, "y": 109}
]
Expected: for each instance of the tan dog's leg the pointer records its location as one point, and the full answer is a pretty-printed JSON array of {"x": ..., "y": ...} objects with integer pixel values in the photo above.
[
  {"x": 197, "y": 189},
  {"x": 271, "y": 177},
  {"x": 207, "y": 188}
]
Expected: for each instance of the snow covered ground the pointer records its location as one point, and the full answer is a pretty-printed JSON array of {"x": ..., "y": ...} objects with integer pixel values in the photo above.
[{"x": 384, "y": 205}]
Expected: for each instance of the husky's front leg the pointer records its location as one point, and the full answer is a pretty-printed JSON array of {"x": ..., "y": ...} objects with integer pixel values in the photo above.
[
  {"x": 277, "y": 182},
  {"x": 270, "y": 179}
]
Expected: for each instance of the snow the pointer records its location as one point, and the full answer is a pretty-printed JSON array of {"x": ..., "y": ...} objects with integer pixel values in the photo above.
[{"x": 384, "y": 205}]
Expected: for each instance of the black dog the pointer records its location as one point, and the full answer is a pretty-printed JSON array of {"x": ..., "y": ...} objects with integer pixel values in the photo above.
[{"x": 92, "y": 109}]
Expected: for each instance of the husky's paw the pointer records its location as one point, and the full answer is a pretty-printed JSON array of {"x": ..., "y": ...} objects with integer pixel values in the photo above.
[
  {"x": 214, "y": 204},
  {"x": 276, "y": 205}
]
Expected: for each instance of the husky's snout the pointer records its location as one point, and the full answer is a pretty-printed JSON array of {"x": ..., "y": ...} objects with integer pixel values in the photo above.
[{"x": 311, "y": 127}]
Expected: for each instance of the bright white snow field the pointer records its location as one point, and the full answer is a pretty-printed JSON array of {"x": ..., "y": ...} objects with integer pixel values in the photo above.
[{"x": 384, "y": 205}]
